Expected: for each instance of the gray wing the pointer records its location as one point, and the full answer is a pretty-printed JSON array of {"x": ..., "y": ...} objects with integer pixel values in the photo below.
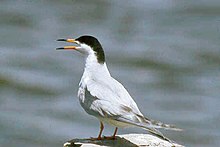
[
  {"x": 113, "y": 92},
  {"x": 94, "y": 105},
  {"x": 99, "y": 100}
]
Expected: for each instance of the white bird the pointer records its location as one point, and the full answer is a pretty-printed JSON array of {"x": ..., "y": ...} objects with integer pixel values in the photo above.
[{"x": 104, "y": 97}]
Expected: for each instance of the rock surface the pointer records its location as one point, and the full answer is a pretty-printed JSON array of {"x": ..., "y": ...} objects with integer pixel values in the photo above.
[{"x": 128, "y": 140}]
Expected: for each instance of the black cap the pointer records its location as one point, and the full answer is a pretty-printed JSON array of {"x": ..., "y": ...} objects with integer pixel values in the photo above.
[{"x": 95, "y": 45}]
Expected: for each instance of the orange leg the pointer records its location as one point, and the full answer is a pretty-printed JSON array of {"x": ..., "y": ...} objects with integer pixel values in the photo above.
[
  {"x": 100, "y": 132},
  {"x": 116, "y": 129}
]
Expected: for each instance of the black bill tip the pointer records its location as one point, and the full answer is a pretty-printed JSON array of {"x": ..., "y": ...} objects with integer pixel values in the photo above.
[
  {"x": 60, "y": 48},
  {"x": 61, "y": 40}
]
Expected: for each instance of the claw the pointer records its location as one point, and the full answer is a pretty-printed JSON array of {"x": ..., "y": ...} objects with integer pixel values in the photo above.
[
  {"x": 110, "y": 137},
  {"x": 98, "y": 138}
]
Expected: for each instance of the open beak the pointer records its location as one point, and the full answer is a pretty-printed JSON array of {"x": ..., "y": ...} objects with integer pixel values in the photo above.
[{"x": 68, "y": 47}]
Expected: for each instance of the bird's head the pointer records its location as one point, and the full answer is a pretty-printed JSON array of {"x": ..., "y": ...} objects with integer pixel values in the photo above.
[{"x": 87, "y": 45}]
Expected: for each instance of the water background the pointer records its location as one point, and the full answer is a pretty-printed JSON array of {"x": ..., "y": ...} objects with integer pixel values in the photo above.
[{"x": 166, "y": 53}]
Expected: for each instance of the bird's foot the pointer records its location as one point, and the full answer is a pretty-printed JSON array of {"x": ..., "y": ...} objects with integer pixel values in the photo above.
[
  {"x": 96, "y": 138},
  {"x": 103, "y": 138},
  {"x": 110, "y": 137}
]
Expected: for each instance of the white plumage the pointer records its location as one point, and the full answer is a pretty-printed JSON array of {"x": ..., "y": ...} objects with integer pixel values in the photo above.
[{"x": 104, "y": 97}]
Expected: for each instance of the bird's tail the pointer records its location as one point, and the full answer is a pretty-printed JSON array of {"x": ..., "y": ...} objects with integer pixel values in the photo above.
[
  {"x": 157, "y": 133},
  {"x": 152, "y": 126},
  {"x": 158, "y": 124}
]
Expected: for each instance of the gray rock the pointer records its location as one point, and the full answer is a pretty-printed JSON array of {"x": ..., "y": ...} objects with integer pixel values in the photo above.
[{"x": 127, "y": 140}]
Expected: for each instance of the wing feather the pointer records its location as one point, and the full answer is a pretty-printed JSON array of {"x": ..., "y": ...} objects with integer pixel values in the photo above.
[{"x": 112, "y": 91}]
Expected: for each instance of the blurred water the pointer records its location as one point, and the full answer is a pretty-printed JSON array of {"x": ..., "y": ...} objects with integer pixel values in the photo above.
[{"x": 166, "y": 53}]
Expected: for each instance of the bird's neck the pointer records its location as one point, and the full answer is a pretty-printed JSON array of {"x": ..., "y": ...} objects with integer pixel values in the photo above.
[{"x": 94, "y": 69}]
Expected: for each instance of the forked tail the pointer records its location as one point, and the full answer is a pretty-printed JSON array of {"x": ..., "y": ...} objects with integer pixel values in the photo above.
[
  {"x": 158, "y": 124},
  {"x": 152, "y": 126}
]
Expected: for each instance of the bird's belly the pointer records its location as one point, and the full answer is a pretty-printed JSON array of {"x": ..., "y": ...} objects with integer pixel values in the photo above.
[{"x": 114, "y": 122}]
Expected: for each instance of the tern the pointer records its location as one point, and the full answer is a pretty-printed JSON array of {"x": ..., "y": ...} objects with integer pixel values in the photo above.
[{"x": 104, "y": 97}]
